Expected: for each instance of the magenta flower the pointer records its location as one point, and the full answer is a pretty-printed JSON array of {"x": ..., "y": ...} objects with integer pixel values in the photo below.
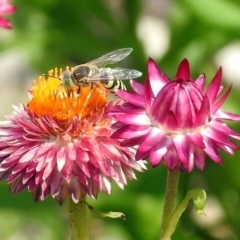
[
  {"x": 177, "y": 122},
  {"x": 62, "y": 146},
  {"x": 5, "y": 8}
]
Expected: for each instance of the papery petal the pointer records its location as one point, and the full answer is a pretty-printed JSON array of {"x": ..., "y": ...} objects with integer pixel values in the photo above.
[
  {"x": 183, "y": 71},
  {"x": 131, "y": 97},
  {"x": 200, "y": 82},
  {"x": 137, "y": 87},
  {"x": 220, "y": 102},
  {"x": 212, "y": 89},
  {"x": 156, "y": 77}
]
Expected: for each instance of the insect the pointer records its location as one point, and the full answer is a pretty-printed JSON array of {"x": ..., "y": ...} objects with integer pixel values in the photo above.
[{"x": 88, "y": 74}]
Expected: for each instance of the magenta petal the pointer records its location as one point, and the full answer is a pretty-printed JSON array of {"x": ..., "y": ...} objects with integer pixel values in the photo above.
[
  {"x": 196, "y": 138},
  {"x": 4, "y": 23},
  {"x": 133, "y": 98},
  {"x": 182, "y": 147},
  {"x": 137, "y": 87},
  {"x": 183, "y": 71},
  {"x": 222, "y": 127},
  {"x": 225, "y": 148},
  {"x": 220, "y": 102},
  {"x": 61, "y": 158},
  {"x": 142, "y": 154},
  {"x": 153, "y": 137},
  {"x": 171, "y": 121},
  {"x": 132, "y": 142},
  {"x": 218, "y": 136},
  {"x": 200, "y": 82},
  {"x": 171, "y": 159},
  {"x": 156, "y": 77},
  {"x": 131, "y": 118},
  {"x": 212, "y": 151},
  {"x": 199, "y": 158},
  {"x": 213, "y": 87},
  {"x": 131, "y": 131},
  {"x": 161, "y": 104},
  {"x": 6, "y": 8},
  {"x": 148, "y": 94},
  {"x": 203, "y": 113},
  {"x": 157, "y": 153},
  {"x": 227, "y": 115}
]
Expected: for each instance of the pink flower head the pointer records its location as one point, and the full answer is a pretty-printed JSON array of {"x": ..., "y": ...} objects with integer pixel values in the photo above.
[
  {"x": 5, "y": 8},
  {"x": 61, "y": 145},
  {"x": 177, "y": 122}
]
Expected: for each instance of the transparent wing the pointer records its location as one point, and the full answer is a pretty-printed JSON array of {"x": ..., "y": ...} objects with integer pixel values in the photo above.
[
  {"x": 114, "y": 74},
  {"x": 111, "y": 57}
]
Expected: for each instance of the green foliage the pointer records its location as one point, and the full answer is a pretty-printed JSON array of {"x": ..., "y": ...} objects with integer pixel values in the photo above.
[{"x": 59, "y": 33}]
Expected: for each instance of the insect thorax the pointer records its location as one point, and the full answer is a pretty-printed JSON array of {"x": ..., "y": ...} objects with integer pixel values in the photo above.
[{"x": 81, "y": 73}]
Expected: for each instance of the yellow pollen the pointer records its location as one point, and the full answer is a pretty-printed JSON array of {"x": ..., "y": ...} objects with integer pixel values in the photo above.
[{"x": 50, "y": 99}]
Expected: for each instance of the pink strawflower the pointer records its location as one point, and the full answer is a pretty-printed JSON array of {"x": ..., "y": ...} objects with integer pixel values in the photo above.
[
  {"x": 177, "y": 122},
  {"x": 5, "y": 8},
  {"x": 60, "y": 145}
]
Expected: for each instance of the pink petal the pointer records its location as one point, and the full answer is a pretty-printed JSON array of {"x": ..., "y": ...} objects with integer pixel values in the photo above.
[
  {"x": 6, "y": 8},
  {"x": 220, "y": 114},
  {"x": 158, "y": 152},
  {"x": 132, "y": 118},
  {"x": 200, "y": 82},
  {"x": 199, "y": 158},
  {"x": 213, "y": 87},
  {"x": 225, "y": 148},
  {"x": 131, "y": 131},
  {"x": 148, "y": 94},
  {"x": 211, "y": 150},
  {"x": 182, "y": 147},
  {"x": 217, "y": 136},
  {"x": 132, "y": 142},
  {"x": 196, "y": 138},
  {"x": 137, "y": 87},
  {"x": 171, "y": 159},
  {"x": 203, "y": 113},
  {"x": 183, "y": 71},
  {"x": 153, "y": 137},
  {"x": 220, "y": 102},
  {"x": 222, "y": 127},
  {"x": 156, "y": 77},
  {"x": 61, "y": 158},
  {"x": 4, "y": 23},
  {"x": 133, "y": 98}
]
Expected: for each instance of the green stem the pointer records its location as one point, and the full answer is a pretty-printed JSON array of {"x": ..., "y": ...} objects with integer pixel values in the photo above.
[
  {"x": 169, "y": 200},
  {"x": 79, "y": 221},
  {"x": 199, "y": 198}
]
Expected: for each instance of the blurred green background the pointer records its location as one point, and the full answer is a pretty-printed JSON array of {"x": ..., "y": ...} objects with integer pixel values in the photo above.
[{"x": 49, "y": 33}]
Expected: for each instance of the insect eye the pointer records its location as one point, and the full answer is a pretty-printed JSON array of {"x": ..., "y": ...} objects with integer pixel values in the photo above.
[{"x": 81, "y": 72}]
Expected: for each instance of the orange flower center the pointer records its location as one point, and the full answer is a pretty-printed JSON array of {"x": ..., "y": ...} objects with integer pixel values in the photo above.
[{"x": 50, "y": 99}]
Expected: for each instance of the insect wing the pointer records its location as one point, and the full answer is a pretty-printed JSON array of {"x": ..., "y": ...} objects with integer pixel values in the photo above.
[
  {"x": 111, "y": 58},
  {"x": 114, "y": 74}
]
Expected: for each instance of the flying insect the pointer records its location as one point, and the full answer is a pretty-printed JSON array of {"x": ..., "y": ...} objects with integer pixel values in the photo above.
[{"x": 88, "y": 74}]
